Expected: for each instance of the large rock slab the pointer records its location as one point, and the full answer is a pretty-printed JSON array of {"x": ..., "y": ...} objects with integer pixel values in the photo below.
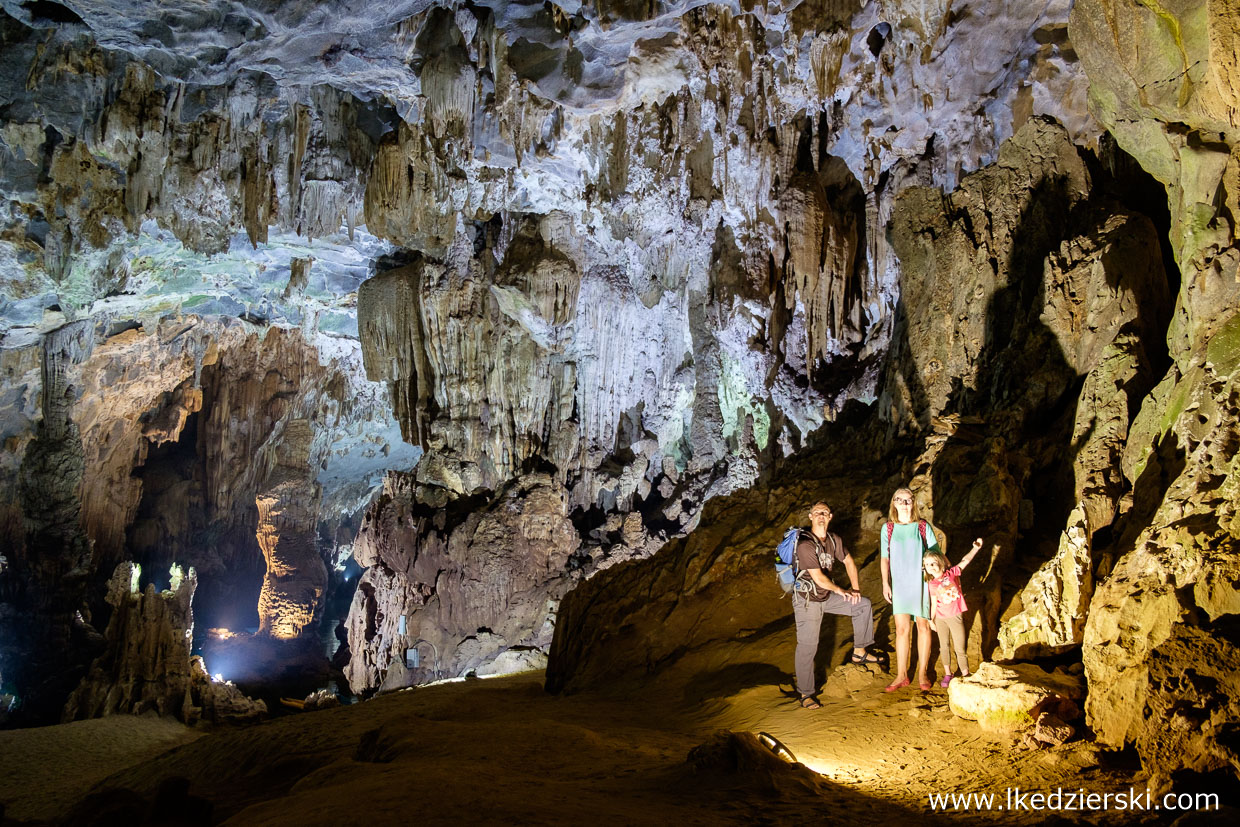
[{"x": 1009, "y": 698}]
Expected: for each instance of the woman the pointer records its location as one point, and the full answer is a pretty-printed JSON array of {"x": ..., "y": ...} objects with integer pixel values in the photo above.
[{"x": 902, "y": 543}]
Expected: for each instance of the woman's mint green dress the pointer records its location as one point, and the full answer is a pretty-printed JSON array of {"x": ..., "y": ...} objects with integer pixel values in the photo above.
[{"x": 909, "y": 594}]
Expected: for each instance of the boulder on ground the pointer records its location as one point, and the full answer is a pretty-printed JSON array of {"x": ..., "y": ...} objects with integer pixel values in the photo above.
[
  {"x": 849, "y": 678},
  {"x": 321, "y": 699},
  {"x": 1049, "y": 730},
  {"x": 1009, "y": 698}
]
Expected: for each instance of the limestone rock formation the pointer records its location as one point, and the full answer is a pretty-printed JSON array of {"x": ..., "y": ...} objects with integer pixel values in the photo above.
[
  {"x": 1055, "y": 602},
  {"x": 641, "y": 616},
  {"x": 475, "y": 363},
  {"x": 291, "y": 599},
  {"x": 460, "y": 588},
  {"x": 1172, "y": 107},
  {"x": 1162, "y": 81},
  {"x": 1035, "y": 295},
  {"x": 1192, "y": 702},
  {"x": 1010, "y": 698},
  {"x": 1025, "y": 293},
  {"x": 147, "y": 665},
  {"x": 48, "y": 638},
  {"x": 181, "y": 421},
  {"x": 568, "y": 275},
  {"x": 1181, "y": 570},
  {"x": 1049, "y": 730},
  {"x": 649, "y": 245}
]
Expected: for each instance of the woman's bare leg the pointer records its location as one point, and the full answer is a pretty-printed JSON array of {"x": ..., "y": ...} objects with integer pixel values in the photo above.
[
  {"x": 904, "y": 633},
  {"x": 923, "y": 649}
]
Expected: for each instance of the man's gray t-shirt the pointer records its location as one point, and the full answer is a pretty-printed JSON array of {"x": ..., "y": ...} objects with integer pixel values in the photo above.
[{"x": 812, "y": 554}]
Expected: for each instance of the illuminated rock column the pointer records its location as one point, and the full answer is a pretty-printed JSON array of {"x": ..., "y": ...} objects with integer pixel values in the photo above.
[{"x": 287, "y": 511}]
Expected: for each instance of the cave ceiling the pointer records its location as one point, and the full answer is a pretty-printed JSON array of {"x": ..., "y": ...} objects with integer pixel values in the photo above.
[{"x": 192, "y": 157}]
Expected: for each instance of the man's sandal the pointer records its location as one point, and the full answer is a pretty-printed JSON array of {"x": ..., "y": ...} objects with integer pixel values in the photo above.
[
  {"x": 809, "y": 702},
  {"x": 879, "y": 658}
]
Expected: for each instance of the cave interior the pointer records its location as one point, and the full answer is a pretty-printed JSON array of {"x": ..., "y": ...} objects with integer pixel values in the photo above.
[{"x": 396, "y": 396}]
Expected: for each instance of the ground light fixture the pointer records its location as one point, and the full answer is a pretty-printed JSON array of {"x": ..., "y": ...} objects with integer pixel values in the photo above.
[{"x": 776, "y": 746}]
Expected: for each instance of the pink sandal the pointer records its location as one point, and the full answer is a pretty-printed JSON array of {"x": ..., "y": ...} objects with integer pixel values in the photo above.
[{"x": 900, "y": 684}]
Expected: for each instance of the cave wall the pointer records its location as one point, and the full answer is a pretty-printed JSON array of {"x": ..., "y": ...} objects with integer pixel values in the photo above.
[
  {"x": 1023, "y": 290},
  {"x": 202, "y": 241},
  {"x": 103, "y": 404},
  {"x": 1173, "y": 108}
]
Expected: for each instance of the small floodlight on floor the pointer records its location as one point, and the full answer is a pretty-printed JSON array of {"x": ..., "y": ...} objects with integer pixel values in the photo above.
[{"x": 774, "y": 745}]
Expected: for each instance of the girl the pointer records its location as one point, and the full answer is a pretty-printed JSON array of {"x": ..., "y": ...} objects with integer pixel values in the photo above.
[
  {"x": 902, "y": 542},
  {"x": 947, "y": 607}
]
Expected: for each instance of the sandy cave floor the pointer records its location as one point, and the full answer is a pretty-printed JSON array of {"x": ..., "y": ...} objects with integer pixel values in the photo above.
[{"x": 502, "y": 750}]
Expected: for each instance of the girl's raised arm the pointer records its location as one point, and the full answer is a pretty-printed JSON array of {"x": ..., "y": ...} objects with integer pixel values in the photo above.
[{"x": 968, "y": 558}]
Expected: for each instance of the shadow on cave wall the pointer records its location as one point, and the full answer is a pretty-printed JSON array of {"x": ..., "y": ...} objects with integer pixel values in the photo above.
[
  {"x": 1018, "y": 418},
  {"x": 1016, "y": 425}
]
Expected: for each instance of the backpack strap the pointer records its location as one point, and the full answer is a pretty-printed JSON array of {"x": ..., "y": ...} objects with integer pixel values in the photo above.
[
  {"x": 804, "y": 583},
  {"x": 891, "y": 527}
]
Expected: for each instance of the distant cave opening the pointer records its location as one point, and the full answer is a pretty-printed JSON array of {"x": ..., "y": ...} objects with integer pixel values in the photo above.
[
  {"x": 174, "y": 523},
  {"x": 343, "y": 576},
  {"x": 171, "y": 506}
]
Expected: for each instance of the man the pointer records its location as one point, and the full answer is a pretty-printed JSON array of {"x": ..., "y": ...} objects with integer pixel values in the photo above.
[{"x": 816, "y": 595}]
